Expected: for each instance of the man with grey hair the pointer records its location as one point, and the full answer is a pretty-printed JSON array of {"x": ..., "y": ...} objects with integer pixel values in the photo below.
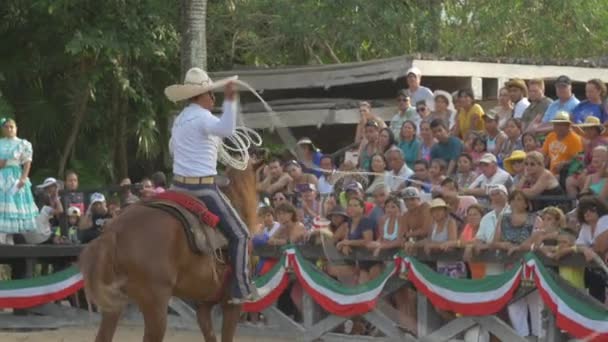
[
  {"x": 380, "y": 193},
  {"x": 487, "y": 227},
  {"x": 490, "y": 175},
  {"x": 398, "y": 170}
]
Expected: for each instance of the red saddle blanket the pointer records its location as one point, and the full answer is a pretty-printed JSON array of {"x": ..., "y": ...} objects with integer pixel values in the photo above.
[{"x": 192, "y": 204}]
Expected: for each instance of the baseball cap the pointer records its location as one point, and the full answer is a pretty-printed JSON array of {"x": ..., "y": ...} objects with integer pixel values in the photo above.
[
  {"x": 47, "y": 182},
  {"x": 371, "y": 123},
  {"x": 97, "y": 197},
  {"x": 354, "y": 186},
  {"x": 304, "y": 141},
  {"x": 491, "y": 114},
  {"x": 488, "y": 158},
  {"x": 73, "y": 211},
  {"x": 411, "y": 192},
  {"x": 415, "y": 71},
  {"x": 563, "y": 80},
  {"x": 403, "y": 93},
  {"x": 497, "y": 187},
  {"x": 306, "y": 187}
]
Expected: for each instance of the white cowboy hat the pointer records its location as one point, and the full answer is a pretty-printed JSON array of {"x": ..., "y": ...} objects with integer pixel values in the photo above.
[
  {"x": 445, "y": 94},
  {"x": 196, "y": 82},
  {"x": 47, "y": 182}
]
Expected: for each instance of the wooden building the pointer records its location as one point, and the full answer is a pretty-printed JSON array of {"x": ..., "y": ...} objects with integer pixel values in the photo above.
[{"x": 310, "y": 99}]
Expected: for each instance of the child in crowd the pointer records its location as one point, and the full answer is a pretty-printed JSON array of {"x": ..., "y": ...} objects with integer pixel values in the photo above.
[
  {"x": 479, "y": 148},
  {"x": 71, "y": 235},
  {"x": 465, "y": 175},
  {"x": 437, "y": 172},
  {"x": 266, "y": 229},
  {"x": 552, "y": 234},
  {"x": 529, "y": 142}
]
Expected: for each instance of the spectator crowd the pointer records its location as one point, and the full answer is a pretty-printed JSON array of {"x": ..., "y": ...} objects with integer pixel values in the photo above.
[
  {"x": 443, "y": 173},
  {"x": 528, "y": 174}
]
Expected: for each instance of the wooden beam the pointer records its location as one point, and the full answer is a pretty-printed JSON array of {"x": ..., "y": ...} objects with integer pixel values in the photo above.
[
  {"x": 506, "y": 70},
  {"x": 381, "y": 321},
  {"x": 323, "y": 76},
  {"x": 498, "y": 328},
  {"x": 324, "y": 326},
  {"x": 363, "y": 254},
  {"x": 38, "y": 251},
  {"x": 451, "y": 329},
  {"x": 427, "y": 318},
  {"x": 311, "y": 117},
  {"x": 184, "y": 311}
]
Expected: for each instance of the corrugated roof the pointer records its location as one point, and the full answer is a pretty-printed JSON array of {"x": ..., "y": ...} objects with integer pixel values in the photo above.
[{"x": 331, "y": 75}]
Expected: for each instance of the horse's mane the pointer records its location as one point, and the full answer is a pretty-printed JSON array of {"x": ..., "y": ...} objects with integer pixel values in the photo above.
[{"x": 242, "y": 193}]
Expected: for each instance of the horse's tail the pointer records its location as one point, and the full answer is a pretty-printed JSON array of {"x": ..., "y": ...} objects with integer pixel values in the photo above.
[{"x": 102, "y": 283}]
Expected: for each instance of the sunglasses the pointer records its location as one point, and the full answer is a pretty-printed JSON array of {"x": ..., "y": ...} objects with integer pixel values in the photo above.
[
  {"x": 530, "y": 164},
  {"x": 420, "y": 109},
  {"x": 591, "y": 209},
  {"x": 402, "y": 99}
]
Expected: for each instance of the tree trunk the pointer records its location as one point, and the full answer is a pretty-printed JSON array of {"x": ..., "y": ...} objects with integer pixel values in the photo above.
[
  {"x": 78, "y": 117},
  {"x": 193, "y": 28},
  {"x": 122, "y": 155}
]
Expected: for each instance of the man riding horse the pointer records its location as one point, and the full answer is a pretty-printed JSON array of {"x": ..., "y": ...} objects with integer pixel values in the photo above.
[{"x": 195, "y": 137}]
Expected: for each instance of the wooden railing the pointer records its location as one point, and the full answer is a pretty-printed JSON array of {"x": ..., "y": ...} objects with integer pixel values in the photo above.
[{"x": 316, "y": 323}]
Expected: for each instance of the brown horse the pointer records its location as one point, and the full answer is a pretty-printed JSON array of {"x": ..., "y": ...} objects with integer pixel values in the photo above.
[{"x": 143, "y": 256}]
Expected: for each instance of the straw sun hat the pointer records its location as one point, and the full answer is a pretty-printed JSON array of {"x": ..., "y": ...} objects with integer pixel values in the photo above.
[
  {"x": 196, "y": 82},
  {"x": 438, "y": 203},
  {"x": 561, "y": 117},
  {"x": 515, "y": 155},
  {"x": 590, "y": 121}
]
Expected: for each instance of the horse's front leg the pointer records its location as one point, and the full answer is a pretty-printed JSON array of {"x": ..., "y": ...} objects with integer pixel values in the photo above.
[
  {"x": 231, "y": 314},
  {"x": 205, "y": 321}
]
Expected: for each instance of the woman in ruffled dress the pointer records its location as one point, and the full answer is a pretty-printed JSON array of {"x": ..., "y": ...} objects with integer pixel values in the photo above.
[{"x": 17, "y": 208}]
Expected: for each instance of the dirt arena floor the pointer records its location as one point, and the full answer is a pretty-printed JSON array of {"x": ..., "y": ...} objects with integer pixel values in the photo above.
[{"x": 124, "y": 333}]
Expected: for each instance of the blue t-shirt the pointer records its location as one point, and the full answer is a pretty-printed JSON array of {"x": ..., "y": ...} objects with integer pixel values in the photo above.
[
  {"x": 448, "y": 151},
  {"x": 557, "y": 106},
  {"x": 585, "y": 109},
  {"x": 364, "y": 225},
  {"x": 316, "y": 161}
]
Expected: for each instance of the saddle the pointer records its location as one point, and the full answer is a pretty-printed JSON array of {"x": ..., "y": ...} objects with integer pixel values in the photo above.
[{"x": 199, "y": 223}]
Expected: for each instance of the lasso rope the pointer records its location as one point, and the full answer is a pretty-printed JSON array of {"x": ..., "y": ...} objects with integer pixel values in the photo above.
[{"x": 245, "y": 137}]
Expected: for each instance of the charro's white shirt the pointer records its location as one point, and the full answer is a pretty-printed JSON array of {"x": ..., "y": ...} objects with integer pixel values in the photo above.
[{"x": 195, "y": 137}]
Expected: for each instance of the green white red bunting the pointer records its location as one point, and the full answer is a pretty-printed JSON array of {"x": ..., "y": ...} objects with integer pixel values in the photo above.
[
  {"x": 572, "y": 315},
  {"x": 332, "y": 295},
  {"x": 271, "y": 284},
  {"x": 465, "y": 296},
  {"x": 25, "y": 293},
  {"x": 471, "y": 297}
]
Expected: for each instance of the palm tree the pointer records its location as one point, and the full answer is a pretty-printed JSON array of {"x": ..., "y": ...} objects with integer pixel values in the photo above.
[{"x": 193, "y": 23}]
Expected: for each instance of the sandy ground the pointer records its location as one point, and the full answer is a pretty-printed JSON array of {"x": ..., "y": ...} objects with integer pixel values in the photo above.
[{"x": 124, "y": 333}]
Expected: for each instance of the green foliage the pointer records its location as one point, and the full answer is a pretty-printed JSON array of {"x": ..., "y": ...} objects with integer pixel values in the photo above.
[
  {"x": 284, "y": 32},
  {"x": 118, "y": 54}
]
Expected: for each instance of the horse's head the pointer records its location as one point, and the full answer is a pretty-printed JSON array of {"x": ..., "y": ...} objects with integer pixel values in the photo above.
[{"x": 242, "y": 193}]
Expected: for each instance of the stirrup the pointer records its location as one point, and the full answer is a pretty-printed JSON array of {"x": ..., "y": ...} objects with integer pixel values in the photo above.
[{"x": 254, "y": 296}]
